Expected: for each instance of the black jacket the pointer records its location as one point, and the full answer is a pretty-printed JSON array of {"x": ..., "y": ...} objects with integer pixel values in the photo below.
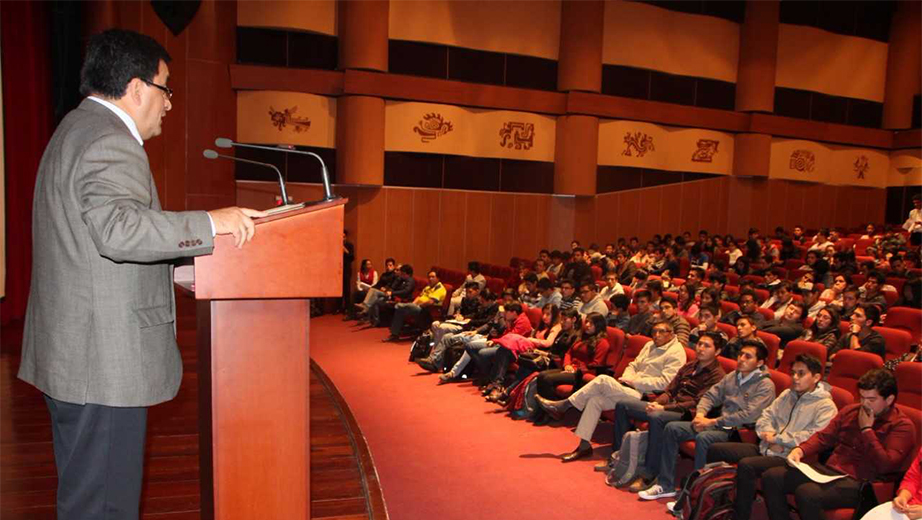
[{"x": 402, "y": 288}]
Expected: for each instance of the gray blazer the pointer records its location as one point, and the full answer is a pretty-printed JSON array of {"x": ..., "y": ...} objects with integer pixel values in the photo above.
[{"x": 100, "y": 320}]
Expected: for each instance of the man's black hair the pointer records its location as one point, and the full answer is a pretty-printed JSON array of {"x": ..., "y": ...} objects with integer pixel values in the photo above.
[
  {"x": 761, "y": 349},
  {"x": 812, "y": 364},
  {"x": 879, "y": 379},
  {"x": 545, "y": 284},
  {"x": 115, "y": 57},
  {"x": 514, "y": 307},
  {"x": 531, "y": 277},
  {"x": 407, "y": 269},
  {"x": 715, "y": 336},
  {"x": 620, "y": 301},
  {"x": 473, "y": 267}
]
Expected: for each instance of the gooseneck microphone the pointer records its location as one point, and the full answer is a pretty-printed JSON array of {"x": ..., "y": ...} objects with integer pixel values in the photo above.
[
  {"x": 223, "y": 142},
  {"x": 211, "y": 154}
]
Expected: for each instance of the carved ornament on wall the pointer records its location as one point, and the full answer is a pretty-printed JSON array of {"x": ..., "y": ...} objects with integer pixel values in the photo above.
[
  {"x": 521, "y": 136},
  {"x": 862, "y": 166},
  {"x": 283, "y": 118},
  {"x": 802, "y": 161},
  {"x": 432, "y": 126},
  {"x": 706, "y": 150},
  {"x": 640, "y": 142}
]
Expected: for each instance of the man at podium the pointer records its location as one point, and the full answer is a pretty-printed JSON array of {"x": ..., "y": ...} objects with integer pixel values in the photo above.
[{"x": 100, "y": 340}]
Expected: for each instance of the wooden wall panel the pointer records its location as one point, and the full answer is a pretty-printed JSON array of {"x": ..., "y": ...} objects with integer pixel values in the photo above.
[
  {"x": 561, "y": 215},
  {"x": 398, "y": 224},
  {"x": 425, "y": 226},
  {"x": 503, "y": 228},
  {"x": 723, "y": 217},
  {"x": 650, "y": 204},
  {"x": 759, "y": 217},
  {"x": 606, "y": 218},
  {"x": 542, "y": 217},
  {"x": 708, "y": 206},
  {"x": 372, "y": 221},
  {"x": 453, "y": 229},
  {"x": 629, "y": 213},
  {"x": 526, "y": 226},
  {"x": 793, "y": 213},
  {"x": 478, "y": 231},
  {"x": 175, "y": 123},
  {"x": 584, "y": 220},
  {"x": 775, "y": 205},
  {"x": 670, "y": 211},
  {"x": 690, "y": 208}
]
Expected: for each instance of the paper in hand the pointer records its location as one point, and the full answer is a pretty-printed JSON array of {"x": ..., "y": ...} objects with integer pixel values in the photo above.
[{"x": 814, "y": 475}]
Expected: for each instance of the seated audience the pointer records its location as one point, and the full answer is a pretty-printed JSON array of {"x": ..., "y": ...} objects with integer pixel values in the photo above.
[
  {"x": 481, "y": 319},
  {"x": 365, "y": 279},
  {"x": 654, "y": 368},
  {"x": 618, "y": 316},
  {"x": 849, "y": 302},
  {"x": 640, "y": 322},
  {"x": 479, "y": 346},
  {"x": 556, "y": 263},
  {"x": 401, "y": 290},
  {"x": 590, "y": 300},
  {"x": 431, "y": 296},
  {"x": 789, "y": 327},
  {"x": 798, "y": 413},
  {"x": 578, "y": 268},
  {"x": 612, "y": 287},
  {"x": 528, "y": 289},
  {"x": 377, "y": 290},
  {"x": 473, "y": 275},
  {"x": 872, "y": 290},
  {"x": 707, "y": 322},
  {"x": 687, "y": 308},
  {"x": 746, "y": 330},
  {"x": 547, "y": 294},
  {"x": 821, "y": 241},
  {"x": 908, "y": 499},
  {"x": 624, "y": 268},
  {"x": 782, "y": 296},
  {"x": 469, "y": 306},
  {"x": 870, "y": 440},
  {"x": 589, "y": 351},
  {"x": 860, "y": 335},
  {"x": 833, "y": 294},
  {"x": 677, "y": 402},
  {"x": 812, "y": 302},
  {"x": 748, "y": 308},
  {"x": 824, "y": 329},
  {"x": 668, "y": 312},
  {"x": 741, "y": 396},
  {"x": 568, "y": 299}
]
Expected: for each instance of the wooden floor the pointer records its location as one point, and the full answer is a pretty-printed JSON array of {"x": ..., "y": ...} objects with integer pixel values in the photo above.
[{"x": 344, "y": 483}]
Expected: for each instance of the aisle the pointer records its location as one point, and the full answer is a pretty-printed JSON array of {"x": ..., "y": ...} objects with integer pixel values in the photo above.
[{"x": 443, "y": 452}]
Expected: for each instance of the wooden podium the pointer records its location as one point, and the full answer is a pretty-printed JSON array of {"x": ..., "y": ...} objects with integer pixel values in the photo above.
[{"x": 253, "y": 318}]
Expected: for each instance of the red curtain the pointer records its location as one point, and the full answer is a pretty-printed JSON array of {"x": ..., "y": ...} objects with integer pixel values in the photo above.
[{"x": 27, "y": 123}]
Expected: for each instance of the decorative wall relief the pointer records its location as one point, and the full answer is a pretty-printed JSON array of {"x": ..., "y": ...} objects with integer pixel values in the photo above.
[
  {"x": 862, "y": 166},
  {"x": 281, "y": 119},
  {"x": 802, "y": 161},
  {"x": 706, "y": 150},
  {"x": 521, "y": 136},
  {"x": 432, "y": 126},
  {"x": 640, "y": 142}
]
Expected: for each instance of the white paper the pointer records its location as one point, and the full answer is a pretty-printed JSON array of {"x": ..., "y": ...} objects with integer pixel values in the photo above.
[
  {"x": 884, "y": 512},
  {"x": 814, "y": 475}
]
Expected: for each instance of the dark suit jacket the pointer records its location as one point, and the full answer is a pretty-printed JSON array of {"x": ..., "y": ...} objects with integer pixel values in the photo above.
[{"x": 100, "y": 320}]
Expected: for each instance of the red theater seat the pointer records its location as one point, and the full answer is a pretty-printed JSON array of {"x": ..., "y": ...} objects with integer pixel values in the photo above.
[
  {"x": 773, "y": 343},
  {"x": 909, "y": 384},
  {"x": 615, "y": 338},
  {"x": 841, "y": 397},
  {"x": 908, "y": 319},
  {"x": 795, "y": 348},
  {"x": 728, "y": 329},
  {"x": 898, "y": 341},
  {"x": 632, "y": 348},
  {"x": 849, "y": 366}
]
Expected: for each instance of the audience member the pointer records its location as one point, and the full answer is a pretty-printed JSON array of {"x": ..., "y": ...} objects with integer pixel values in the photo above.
[
  {"x": 798, "y": 413},
  {"x": 431, "y": 296},
  {"x": 748, "y": 308},
  {"x": 612, "y": 287},
  {"x": 686, "y": 307},
  {"x": 618, "y": 316},
  {"x": 824, "y": 329},
  {"x": 568, "y": 299},
  {"x": 592, "y": 302},
  {"x": 547, "y": 294},
  {"x": 870, "y": 440},
  {"x": 577, "y": 269},
  {"x": 640, "y": 322},
  {"x": 707, "y": 322},
  {"x": 654, "y": 368},
  {"x": 668, "y": 312},
  {"x": 781, "y": 297},
  {"x": 479, "y": 346},
  {"x": 401, "y": 290},
  {"x": 860, "y": 335},
  {"x": 481, "y": 321},
  {"x": 473, "y": 275}
]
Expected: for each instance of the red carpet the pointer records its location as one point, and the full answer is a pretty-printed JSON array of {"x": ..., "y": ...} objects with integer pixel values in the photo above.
[{"x": 442, "y": 451}]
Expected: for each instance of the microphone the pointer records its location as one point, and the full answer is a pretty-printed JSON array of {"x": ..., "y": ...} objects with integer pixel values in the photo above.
[
  {"x": 223, "y": 142},
  {"x": 211, "y": 154}
]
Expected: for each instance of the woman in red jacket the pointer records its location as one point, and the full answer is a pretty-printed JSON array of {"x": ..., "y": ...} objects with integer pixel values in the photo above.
[{"x": 591, "y": 349}]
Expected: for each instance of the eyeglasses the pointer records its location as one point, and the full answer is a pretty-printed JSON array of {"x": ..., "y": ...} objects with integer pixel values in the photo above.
[
  {"x": 163, "y": 88},
  {"x": 661, "y": 331}
]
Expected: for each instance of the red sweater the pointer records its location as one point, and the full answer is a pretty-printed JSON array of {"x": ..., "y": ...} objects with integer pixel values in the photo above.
[
  {"x": 578, "y": 355},
  {"x": 881, "y": 450},
  {"x": 912, "y": 482},
  {"x": 521, "y": 326}
]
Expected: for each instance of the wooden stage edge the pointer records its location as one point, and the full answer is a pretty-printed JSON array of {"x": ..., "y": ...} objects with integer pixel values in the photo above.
[
  {"x": 344, "y": 481},
  {"x": 374, "y": 497}
]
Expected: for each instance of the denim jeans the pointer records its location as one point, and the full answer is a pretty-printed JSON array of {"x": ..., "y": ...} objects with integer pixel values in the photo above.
[{"x": 675, "y": 434}]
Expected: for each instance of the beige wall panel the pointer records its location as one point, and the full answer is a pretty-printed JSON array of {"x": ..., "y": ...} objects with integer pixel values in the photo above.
[
  {"x": 425, "y": 226},
  {"x": 905, "y": 168},
  {"x": 820, "y": 61},
  {"x": 478, "y": 228},
  {"x": 649, "y": 37},
  {"x": 502, "y": 228},
  {"x": 799, "y": 161},
  {"x": 529, "y": 27},
  {"x": 453, "y": 229},
  {"x": 561, "y": 218},
  {"x": 317, "y": 16},
  {"x": 398, "y": 226},
  {"x": 310, "y": 122},
  {"x": 859, "y": 167},
  {"x": 475, "y": 133},
  {"x": 674, "y": 149}
]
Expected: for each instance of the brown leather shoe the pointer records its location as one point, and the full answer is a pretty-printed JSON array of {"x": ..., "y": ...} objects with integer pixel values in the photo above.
[
  {"x": 639, "y": 484},
  {"x": 577, "y": 454}
]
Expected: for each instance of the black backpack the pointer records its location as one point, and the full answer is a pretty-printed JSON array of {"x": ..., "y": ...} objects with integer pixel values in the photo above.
[
  {"x": 421, "y": 346},
  {"x": 707, "y": 494}
]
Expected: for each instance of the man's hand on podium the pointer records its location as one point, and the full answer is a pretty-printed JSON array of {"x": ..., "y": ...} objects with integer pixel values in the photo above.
[{"x": 236, "y": 221}]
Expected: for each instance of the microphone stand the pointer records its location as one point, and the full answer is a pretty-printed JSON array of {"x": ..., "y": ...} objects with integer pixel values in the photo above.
[{"x": 223, "y": 142}]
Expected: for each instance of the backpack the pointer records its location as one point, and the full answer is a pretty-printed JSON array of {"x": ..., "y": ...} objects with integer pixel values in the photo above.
[
  {"x": 707, "y": 493},
  {"x": 421, "y": 346}
]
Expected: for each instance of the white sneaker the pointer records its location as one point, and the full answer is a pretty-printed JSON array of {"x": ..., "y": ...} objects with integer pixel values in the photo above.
[
  {"x": 670, "y": 506},
  {"x": 655, "y": 493}
]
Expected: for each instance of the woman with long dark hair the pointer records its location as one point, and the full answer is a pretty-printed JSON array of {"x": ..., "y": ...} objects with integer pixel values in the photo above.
[
  {"x": 590, "y": 349},
  {"x": 824, "y": 329}
]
